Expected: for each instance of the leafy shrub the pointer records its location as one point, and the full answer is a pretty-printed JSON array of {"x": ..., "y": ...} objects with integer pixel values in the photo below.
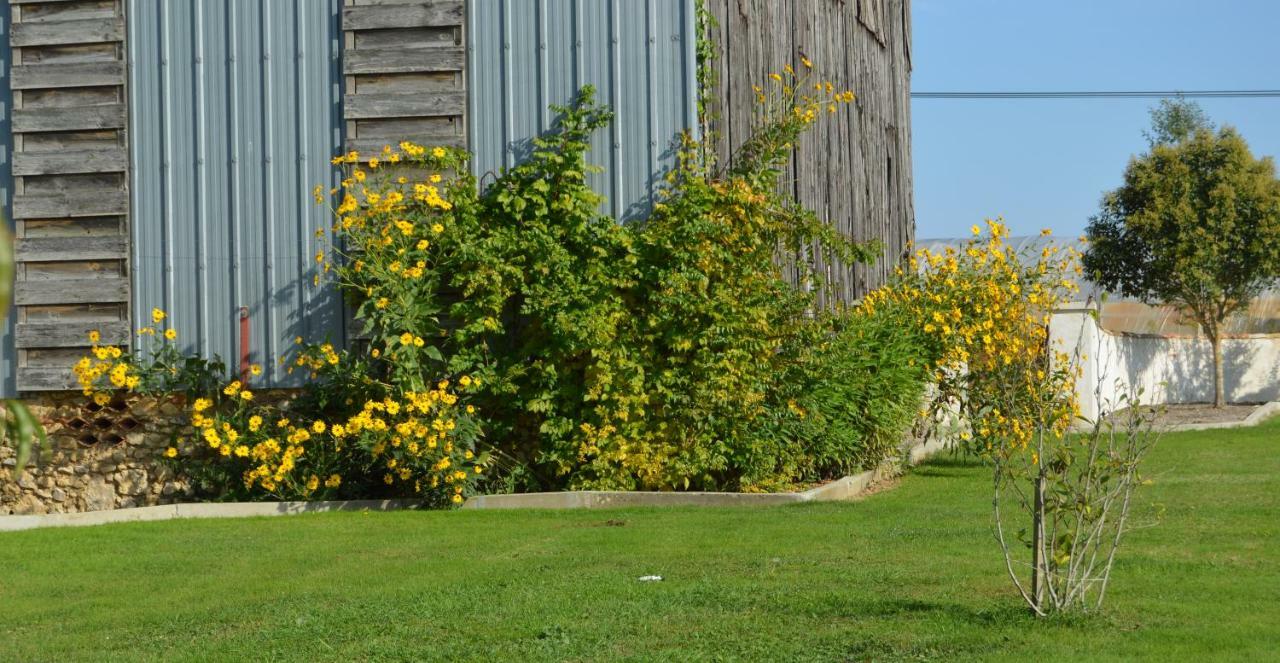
[{"x": 669, "y": 353}]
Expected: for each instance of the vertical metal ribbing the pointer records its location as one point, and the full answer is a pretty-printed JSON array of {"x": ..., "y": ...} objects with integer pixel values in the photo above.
[
  {"x": 135, "y": 234},
  {"x": 651, "y": 69},
  {"x": 544, "y": 76},
  {"x": 303, "y": 225},
  {"x": 579, "y": 63},
  {"x": 166, "y": 167},
  {"x": 233, "y": 138},
  {"x": 508, "y": 110},
  {"x": 688, "y": 48},
  {"x": 201, "y": 205},
  {"x": 615, "y": 101},
  {"x": 268, "y": 184}
]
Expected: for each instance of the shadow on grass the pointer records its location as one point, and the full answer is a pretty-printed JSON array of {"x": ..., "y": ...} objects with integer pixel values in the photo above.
[{"x": 950, "y": 466}]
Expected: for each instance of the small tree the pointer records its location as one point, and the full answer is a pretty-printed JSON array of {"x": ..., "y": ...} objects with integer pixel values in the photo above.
[{"x": 1196, "y": 224}]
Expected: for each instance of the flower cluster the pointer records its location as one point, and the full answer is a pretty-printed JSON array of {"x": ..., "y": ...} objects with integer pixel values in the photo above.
[{"x": 984, "y": 309}]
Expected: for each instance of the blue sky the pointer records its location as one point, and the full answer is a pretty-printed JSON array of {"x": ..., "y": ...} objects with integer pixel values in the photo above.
[{"x": 1045, "y": 163}]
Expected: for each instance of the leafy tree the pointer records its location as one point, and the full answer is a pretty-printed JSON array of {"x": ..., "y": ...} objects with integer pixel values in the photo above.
[{"x": 1196, "y": 224}]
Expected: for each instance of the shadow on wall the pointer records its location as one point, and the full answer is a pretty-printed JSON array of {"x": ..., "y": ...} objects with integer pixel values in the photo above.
[{"x": 1180, "y": 370}]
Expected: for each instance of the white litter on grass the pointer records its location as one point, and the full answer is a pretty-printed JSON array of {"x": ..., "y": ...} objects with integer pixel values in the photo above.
[{"x": 650, "y": 578}]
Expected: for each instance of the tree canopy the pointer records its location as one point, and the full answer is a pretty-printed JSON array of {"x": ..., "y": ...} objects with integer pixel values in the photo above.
[{"x": 1196, "y": 223}]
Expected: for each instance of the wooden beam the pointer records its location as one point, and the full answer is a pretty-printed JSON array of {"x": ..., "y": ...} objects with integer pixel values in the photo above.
[
  {"x": 71, "y": 291},
  {"x": 58, "y": 33},
  {"x": 70, "y": 334},
  {"x": 84, "y": 118},
  {"x": 72, "y": 203},
  {"x": 359, "y": 106},
  {"x": 436, "y": 13},
  {"x": 66, "y": 74},
  {"x": 46, "y": 378},
  {"x": 43, "y": 249},
  {"x": 370, "y": 146},
  {"x": 403, "y": 60},
  {"x": 63, "y": 163}
]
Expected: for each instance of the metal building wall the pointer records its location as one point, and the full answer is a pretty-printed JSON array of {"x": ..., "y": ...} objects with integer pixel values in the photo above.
[
  {"x": 235, "y": 113},
  {"x": 524, "y": 55}
]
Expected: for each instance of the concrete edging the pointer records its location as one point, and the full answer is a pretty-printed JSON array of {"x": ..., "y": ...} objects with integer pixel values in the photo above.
[
  {"x": 842, "y": 489},
  {"x": 196, "y": 510},
  {"x": 1262, "y": 413},
  {"x": 845, "y": 488}
]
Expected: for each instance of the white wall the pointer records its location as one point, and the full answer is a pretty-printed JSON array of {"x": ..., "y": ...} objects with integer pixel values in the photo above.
[{"x": 1168, "y": 370}]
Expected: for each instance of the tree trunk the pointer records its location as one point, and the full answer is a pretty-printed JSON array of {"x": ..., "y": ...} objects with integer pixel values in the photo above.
[
  {"x": 1037, "y": 542},
  {"x": 1219, "y": 398}
]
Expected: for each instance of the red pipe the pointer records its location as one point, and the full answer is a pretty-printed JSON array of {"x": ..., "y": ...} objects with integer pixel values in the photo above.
[{"x": 244, "y": 344}]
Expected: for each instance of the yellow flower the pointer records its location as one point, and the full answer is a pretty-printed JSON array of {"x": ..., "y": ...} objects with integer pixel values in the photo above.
[
  {"x": 437, "y": 229},
  {"x": 423, "y": 244},
  {"x": 333, "y": 481},
  {"x": 171, "y": 334},
  {"x": 232, "y": 389},
  {"x": 406, "y": 338},
  {"x": 438, "y": 152},
  {"x": 94, "y": 337},
  {"x": 246, "y": 395},
  {"x": 157, "y": 316},
  {"x": 313, "y": 482},
  {"x": 170, "y": 452},
  {"x": 975, "y": 229},
  {"x": 255, "y": 422},
  {"x": 255, "y": 370},
  {"x": 318, "y": 426},
  {"x": 808, "y": 64}
]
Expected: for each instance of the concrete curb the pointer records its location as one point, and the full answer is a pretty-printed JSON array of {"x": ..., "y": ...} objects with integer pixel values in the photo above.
[
  {"x": 1262, "y": 413},
  {"x": 196, "y": 510},
  {"x": 842, "y": 489},
  {"x": 845, "y": 488}
]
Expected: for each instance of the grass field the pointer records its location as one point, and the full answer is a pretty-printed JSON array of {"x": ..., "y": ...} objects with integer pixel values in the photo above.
[{"x": 910, "y": 573}]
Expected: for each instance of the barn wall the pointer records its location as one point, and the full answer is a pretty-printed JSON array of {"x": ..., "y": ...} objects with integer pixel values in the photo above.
[
  {"x": 853, "y": 168},
  {"x": 235, "y": 112},
  {"x": 528, "y": 54},
  {"x": 70, "y": 192}
]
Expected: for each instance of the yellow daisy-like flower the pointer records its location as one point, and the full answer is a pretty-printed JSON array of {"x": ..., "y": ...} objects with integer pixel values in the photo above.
[
  {"x": 157, "y": 316},
  {"x": 94, "y": 337},
  {"x": 438, "y": 152},
  {"x": 406, "y": 338},
  {"x": 171, "y": 334},
  {"x": 437, "y": 229},
  {"x": 318, "y": 426},
  {"x": 170, "y": 452},
  {"x": 255, "y": 370}
]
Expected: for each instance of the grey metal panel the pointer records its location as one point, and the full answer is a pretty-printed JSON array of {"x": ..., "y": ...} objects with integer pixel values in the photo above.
[
  {"x": 524, "y": 55},
  {"x": 235, "y": 112},
  {"x": 8, "y": 354}
]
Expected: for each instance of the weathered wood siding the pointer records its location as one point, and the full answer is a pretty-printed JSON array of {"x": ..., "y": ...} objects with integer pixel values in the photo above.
[
  {"x": 403, "y": 67},
  {"x": 70, "y": 167},
  {"x": 853, "y": 169}
]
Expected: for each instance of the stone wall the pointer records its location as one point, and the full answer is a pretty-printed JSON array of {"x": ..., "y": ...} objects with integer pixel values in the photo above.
[{"x": 101, "y": 457}]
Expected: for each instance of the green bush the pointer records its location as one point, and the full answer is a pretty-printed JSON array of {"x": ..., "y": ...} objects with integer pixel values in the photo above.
[{"x": 668, "y": 353}]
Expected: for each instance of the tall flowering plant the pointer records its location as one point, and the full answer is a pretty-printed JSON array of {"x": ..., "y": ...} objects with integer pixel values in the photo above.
[{"x": 985, "y": 309}]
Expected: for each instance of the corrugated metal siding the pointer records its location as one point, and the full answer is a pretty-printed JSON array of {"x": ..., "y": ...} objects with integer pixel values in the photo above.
[
  {"x": 235, "y": 113},
  {"x": 8, "y": 355},
  {"x": 524, "y": 55}
]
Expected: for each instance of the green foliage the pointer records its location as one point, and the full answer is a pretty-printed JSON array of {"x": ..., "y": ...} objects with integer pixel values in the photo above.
[
  {"x": 856, "y": 383},
  {"x": 18, "y": 427},
  {"x": 1196, "y": 224},
  {"x": 1175, "y": 120}
]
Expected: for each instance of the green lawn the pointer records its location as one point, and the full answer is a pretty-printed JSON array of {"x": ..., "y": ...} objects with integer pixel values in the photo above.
[{"x": 907, "y": 574}]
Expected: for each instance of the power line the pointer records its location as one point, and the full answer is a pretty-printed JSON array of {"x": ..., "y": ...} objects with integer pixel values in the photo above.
[{"x": 1099, "y": 94}]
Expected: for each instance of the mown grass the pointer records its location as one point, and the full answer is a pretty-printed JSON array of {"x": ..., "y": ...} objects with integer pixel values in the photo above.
[{"x": 909, "y": 574}]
